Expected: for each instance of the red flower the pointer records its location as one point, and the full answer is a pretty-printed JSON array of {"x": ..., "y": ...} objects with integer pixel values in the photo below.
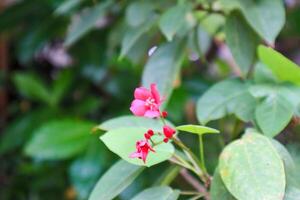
[
  {"x": 168, "y": 131},
  {"x": 146, "y": 103},
  {"x": 142, "y": 150}
]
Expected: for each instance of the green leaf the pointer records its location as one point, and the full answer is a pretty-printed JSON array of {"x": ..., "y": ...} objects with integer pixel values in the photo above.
[
  {"x": 253, "y": 161},
  {"x": 266, "y": 17},
  {"x": 157, "y": 193},
  {"x": 66, "y": 6},
  {"x": 122, "y": 141},
  {"x": 86, "y": 22},
  {"x": 61, "y": 86},
  {"x": 115, "y": 180},
  {"x": 262, "y": 74},
  {"x": 132, "y": 121},
  {"x": 20, "y": 129},
  {"x": 59, "y": 139},
  {"x": 218, "y": 190},
  {"x": 282, "y": 67},
  {"x": 132, "y": 35},
  {"x": 291, "y": 193},
  {"x": 200, "y": 130},
  {"x": 85, "y": 170},
  {"x": 163, "y": 67},
  {"x": 173, "y": 20},
  {"x": 138, "y": 13},
  {"x": 32, "y": 87},
  {"x": 227, "y": 97},
  {"x": 242, "y": 41},
  {"x": 273, "y": 114}
]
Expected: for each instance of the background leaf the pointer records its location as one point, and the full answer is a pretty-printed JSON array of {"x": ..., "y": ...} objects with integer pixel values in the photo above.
[
  {"x": 242, "y": 41},
  {"x": 266, "y": 17},
  {"x": 273, "y": 114},
  {"x": 85, "y": 170},
  {"x": 163, "y": 67},
  {"x": 86, "y": 22},
  {"x": 173, "y": 19},
  {"x": 282, "y": 67},
  {"x": 59, "y": 139},
  {"x": 32, "y": 87},
  {"x": 115, "y": 180},
  {"x": 226, "y": 97}
]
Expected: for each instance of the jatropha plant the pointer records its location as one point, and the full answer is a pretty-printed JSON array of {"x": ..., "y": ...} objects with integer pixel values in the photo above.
[{"x": 147, "y": 138}]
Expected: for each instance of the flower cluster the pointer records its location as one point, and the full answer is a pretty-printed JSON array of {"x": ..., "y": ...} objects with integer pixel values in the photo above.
[{"x": 147, "y": 103}]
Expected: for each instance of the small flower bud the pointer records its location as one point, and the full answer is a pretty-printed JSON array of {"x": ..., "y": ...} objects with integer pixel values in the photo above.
[
  {"x": 164, "y": 114},
  {"x": 150, "y": 132},
  {"x": 147, "y": 136},
  {"x": 166, "y": 140}
]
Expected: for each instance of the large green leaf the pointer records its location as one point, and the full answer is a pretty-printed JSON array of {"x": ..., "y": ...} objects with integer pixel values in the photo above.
[
  {"x": 115, "y": 180},
  {"x": 227, "y": 97},
  {"x": 157, "y": 193},
  {"x": 282, "y": 67},
  {"x": 273, "y": 114},
  {"x": 85, "y": 170},
  {"x": 32, "y": 87},
  {"x": 132, "y": 121},
  {"x": 138, "y": 13},
  {"x": 200, "y": 130},
  {"x": 133, "y": 35},
  {"x": 59, "y": 139},
  {"x": 253, "y": 162},
  {"x": 266, "y": 17},
  {"x": 242, "y": 41},
  {"x": 163, "y": 67},
  {"x": 122, "y": 142},
  {"x": 173, "y": 20},
  {"x": 218, "y": 190},
  {"x": 86, "y": 21}
]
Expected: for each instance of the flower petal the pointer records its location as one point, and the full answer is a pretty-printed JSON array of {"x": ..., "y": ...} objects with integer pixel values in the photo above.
[
  {"x": 155, "y": 93},
  {"x": 135, "y": 155},
  {"x": 138, "y": 107},
  {"x": 142, "y": 93},
  {"x": 152, "y": 114}
]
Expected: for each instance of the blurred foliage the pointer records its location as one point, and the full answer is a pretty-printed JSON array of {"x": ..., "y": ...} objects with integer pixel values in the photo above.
[{"x": 75, "y": 63}]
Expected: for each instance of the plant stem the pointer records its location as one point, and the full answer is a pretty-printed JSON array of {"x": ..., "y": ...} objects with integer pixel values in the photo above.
[{"x": 201, "y": 148}]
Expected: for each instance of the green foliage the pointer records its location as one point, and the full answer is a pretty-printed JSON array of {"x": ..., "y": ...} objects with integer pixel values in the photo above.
[
  {"x": 115, "y": 180},
  {"x": 253, "y": 161},
  {"x": 132, "y": 121},
  {"x": 69, "y": 137},
  {"x": 163, "y": 67},
  {"x": 159, "y": 193},
  {"x": 266, "y": 17},
  {"x": 200, "y": 130},
  {"x": 122, "y": 142},
  {"x": 283, "y": 68},
  {"x": 72, "y": 63},
  {"x": 227, "y": 97},
  {"x": 237, "y": 30}
]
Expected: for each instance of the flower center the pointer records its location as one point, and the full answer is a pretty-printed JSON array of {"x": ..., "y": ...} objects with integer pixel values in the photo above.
[{"x": 150, "y": 102}]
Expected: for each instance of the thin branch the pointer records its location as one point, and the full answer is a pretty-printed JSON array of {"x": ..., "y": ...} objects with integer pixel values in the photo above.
[{"x": 193, "y": 182}]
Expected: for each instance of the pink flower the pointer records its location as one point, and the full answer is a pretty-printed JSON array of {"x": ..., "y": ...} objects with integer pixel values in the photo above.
[
  {"x": 146, "y": 103},
  {"x": 168, "y": 131},
  {"x": 142, "y": 150}
]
